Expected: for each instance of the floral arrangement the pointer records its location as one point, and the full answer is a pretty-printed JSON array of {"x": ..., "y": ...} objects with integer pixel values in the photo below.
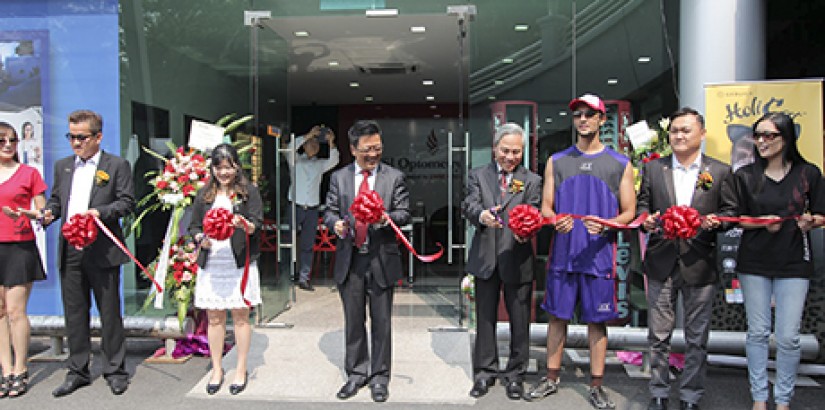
[
  {"x": 680, "y": 221},
  {"x": 182, "y": 177},
  {"x": 468, "y": 287},
  {"x": 101, "y": 178},
  {"x": 181, "y": 274},
  {"x": 704, "y": 181},
  {"x": 655, "y": 147}
]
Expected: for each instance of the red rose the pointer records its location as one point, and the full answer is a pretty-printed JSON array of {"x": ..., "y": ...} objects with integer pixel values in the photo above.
[
  {"x": 198, "y": 158},
  {"x": 162, "y": 184},
  {"x": 182, "y": 179},
  {"x": 187, "y": 189},
  {"x": 178, "y": 275},
  {"x": 169, "y": 167}
]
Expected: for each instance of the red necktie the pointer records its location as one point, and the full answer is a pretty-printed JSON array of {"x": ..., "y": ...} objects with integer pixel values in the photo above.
[
  {"x": 360, "y": 227},
  {"x": 503, "y": 183}
]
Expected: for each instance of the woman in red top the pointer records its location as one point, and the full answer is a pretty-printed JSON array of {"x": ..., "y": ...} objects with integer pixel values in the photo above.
[{"x": 20, "y": 263}]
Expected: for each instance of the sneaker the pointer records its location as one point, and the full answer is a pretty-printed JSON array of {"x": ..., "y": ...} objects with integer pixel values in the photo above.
[
  {"x": 543, "y": 388},
  {"x": 599, "y": 398}
]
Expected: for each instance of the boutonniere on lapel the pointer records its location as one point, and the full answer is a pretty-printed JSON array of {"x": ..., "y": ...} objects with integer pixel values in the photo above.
[
  {"x": 516, "y": 186},
  {"x": 101, "y": 178},
  {"x": 237, "y": 200},
  {"x": 704, "y": 181}
]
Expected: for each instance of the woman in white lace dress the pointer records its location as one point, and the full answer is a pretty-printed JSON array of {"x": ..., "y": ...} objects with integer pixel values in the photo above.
[{"x": 222, "y": 262}]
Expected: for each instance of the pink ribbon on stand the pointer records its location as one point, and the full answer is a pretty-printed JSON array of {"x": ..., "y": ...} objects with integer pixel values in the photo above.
[{"x": 368, "y": 207}]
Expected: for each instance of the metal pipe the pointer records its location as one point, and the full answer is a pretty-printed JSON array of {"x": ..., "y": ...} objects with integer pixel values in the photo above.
[
  {"x": 450, "y": 198},
  {"x": 136, "y": 326},
  {"x": 635, "y": 338}
]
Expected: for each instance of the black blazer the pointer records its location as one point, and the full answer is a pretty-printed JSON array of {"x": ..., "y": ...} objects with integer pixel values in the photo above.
[
  {"x": 695, "y": 258},
  {"x": 251, "y": 209},
  {"x": 114, "y": 199},
  {"x": 491, "y": 247},
  {"x": 383, "y": 246}
]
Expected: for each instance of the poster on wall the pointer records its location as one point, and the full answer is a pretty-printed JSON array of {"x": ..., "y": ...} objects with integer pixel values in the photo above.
[
  {"x": 732, "y": 108},
  {"x": 23, "y": 67}
]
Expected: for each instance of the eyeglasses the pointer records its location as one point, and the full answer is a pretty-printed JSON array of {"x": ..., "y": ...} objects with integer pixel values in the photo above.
[
  {"x": 79, "y": 137},
  {"x": 768, "y": 136},
  {"x": 587, "y": 114},
  {"x": 366, "y": 150},
  {"x": 4, "y": 141},
  {"x": 679, "y": 130}
]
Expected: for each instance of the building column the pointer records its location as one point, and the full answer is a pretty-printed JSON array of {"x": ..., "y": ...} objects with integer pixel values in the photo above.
[{"x": 719, "y": 41}]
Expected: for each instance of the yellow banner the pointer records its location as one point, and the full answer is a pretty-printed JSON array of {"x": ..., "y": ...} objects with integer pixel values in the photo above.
[{"x": 731, "y": 109}]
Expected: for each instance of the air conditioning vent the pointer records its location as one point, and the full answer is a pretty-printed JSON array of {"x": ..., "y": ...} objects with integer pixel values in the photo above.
[{"x": 387, "y": 68}]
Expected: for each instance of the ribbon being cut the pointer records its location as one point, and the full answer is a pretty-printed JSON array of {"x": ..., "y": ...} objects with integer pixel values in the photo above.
[
  {"x": 368, "y": 207},
  {"x": 217, "y": 224},
  {"x": 525, "y": 220}
]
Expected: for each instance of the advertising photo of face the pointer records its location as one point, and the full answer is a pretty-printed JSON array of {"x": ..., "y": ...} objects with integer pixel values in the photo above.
[
  {"x": 509, "y": 150},
  {"x": 85, "y": 137},
  {"x": 367, "y": 147}
]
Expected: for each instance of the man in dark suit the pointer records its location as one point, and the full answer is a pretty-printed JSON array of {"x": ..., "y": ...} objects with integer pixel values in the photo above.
[
  {"x": 499, "y": 259},
  {"x": 367, "y": 259},
  {"x": 686, "y": 266},
  {"x": 97, "y": 183}
]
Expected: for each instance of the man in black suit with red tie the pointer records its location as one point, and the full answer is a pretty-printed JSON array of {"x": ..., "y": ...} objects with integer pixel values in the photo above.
[
  {"x": 686, "y": 266},
  {"x": 367, "y": 259},
  {"x": 499, "y": 260},
  {"x": 97, "y": 183}
]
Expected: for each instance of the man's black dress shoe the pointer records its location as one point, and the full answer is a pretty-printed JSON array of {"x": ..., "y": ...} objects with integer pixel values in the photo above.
[
  {"x": 515, "y": 390},
  {"x": 481, "y": 387},
  {"x": 379, "y": 393},
  {"x": 306, "y": 286},
  {"x": 69, "y": 386},
  {"x": 237, "y": 388},
  {"x": 349, "y": 389},
  {"x": 657, "y": 403},
  {"x": 689, "y": 406},
  {"x": 118, "y": 386}
]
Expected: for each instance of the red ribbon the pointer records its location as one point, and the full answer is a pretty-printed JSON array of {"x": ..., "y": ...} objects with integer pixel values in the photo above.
[
  {"x": 680, "y": 221},
  {"x": 525, "y": 220},
  {"x": 80, "y": 230},
  {"x": 368, "y": 208},
  {"x": 217, "y": 224}
]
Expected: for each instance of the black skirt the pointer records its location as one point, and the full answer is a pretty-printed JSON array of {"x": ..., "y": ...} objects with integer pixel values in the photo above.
[{"x": 20, "y": 263}]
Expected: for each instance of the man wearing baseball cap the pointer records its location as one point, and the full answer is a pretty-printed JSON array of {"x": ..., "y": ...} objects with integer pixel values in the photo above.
[{"x": 592, "y": 180}]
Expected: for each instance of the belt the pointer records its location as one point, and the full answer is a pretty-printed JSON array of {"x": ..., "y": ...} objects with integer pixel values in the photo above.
[
  {"x": 306, "y": 207},
  {"x": 362, "y": 250}
]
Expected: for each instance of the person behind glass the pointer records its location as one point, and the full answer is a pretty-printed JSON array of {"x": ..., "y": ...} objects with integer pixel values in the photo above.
[
  {"x": 367, "y": 260},
  {"x": 29, "y": 146},
  {"x": 97, "y": 183},
  {"x": 222, "y": 262},
  {"x": 20, "y": 263},
  {"x": 774, "y": 261},
  {"x": 500, "y": 259},
  {"x": 681, "y": 266},
  {"x": 588, "y": 179},
  {"x": 307, "y": 171}
]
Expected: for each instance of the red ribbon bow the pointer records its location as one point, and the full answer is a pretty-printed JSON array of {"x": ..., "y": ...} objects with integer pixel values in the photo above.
[
  {"x": 80, "y": 231},
  {"x": 680, "y": 222},
  {"x": 217, "y": 224},
  {"x": 525, "y": 220}
]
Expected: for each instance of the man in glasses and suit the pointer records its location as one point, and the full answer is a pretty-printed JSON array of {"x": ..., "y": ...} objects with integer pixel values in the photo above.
[
  {"x": 367, "y": 259},
  {"x": 500, "y": 260},
  {"x": 591, "y": 180},
  {"x": 97, "y": 183}
]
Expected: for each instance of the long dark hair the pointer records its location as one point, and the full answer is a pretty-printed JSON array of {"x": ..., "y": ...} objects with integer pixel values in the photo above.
[
  {"x": 226, "y": 152},
  {"x": 787, "y": 130},
  {"x": 4, "y": 126}
]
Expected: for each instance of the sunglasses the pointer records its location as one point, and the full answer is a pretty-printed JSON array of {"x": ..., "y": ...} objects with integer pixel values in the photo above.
[
  {"x": 79, "y": 137},
  {"x": 767, "y": 136},
  {"x": 4, "y": 141},
  {"x": 587, "y": 113}
]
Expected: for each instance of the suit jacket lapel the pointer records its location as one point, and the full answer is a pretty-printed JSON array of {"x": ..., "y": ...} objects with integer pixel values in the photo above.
[
  {"x": 667, "y": 172},
  {"x": 101, "y": 165},
  {"x": 697, "y": 193}
]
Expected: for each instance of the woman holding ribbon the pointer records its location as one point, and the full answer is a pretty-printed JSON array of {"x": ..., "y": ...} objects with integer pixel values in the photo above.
[
  {"x": 20, "y": 263},
  {"x": 228, "y": 278},
  {"x": 785, "y": 191}
]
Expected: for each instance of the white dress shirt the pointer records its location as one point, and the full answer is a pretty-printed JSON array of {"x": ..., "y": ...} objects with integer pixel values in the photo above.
[
  {"x": 684, "y": 179},
  {"x": 82, "y": 183},
  {"x": 308, "y": 172}
]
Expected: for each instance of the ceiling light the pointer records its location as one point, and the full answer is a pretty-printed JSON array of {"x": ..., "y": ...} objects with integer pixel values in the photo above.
[
  {"x": 427, "y": 82},
  {"x": 271, "y": 101},
  {"x": 432, "y": 107},
  {"x": 382, "y": 13},
  {"x": 507, "y": 60},
  {"x": 354, "y": 84},
  {"x": 437, "y": 116},
  {"x": 548, "y": 120},
  {"x": 521, "y": 27},
  {"x": 612, "y": 81},
  {"x": 492, "y": 97},
  {"x": 301, "y": 34},
  {"x": 430, "y": 98},
  {"x": 368, "y": 98},
  {"x": 563, "y": 113},
  {"x": 643, "y": 59},
  {"x": 333, "y": 63},
  {"x": 498, "y": 82},
  {"x": 418, "y": 29}
]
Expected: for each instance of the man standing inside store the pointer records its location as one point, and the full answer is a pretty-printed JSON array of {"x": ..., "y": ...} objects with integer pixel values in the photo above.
[
  {"x": 500, "y": 260},
  {"x": 591, "y": 180},
  {"x": 681, "y": 266},
  {"x": 308, "y": 169},
  {"x": 97, "y": 183},
  {"x": 367, "y": 259}
]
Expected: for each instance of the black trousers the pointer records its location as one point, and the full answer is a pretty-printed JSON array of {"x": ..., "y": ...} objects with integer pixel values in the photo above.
[
  {"x": 79, "y": 280},
  {"x": 357, "y": 292},
  {"x": 485, "y": 352}
]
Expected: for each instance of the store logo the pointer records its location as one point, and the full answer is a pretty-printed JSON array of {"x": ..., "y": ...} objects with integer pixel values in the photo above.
[
  {"x": 586, "y": 166},
  {"x": 432, "y": 142}
]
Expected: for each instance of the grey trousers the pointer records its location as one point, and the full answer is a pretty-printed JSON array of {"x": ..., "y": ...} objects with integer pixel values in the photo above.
[{"x": 698, "y": 304}]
